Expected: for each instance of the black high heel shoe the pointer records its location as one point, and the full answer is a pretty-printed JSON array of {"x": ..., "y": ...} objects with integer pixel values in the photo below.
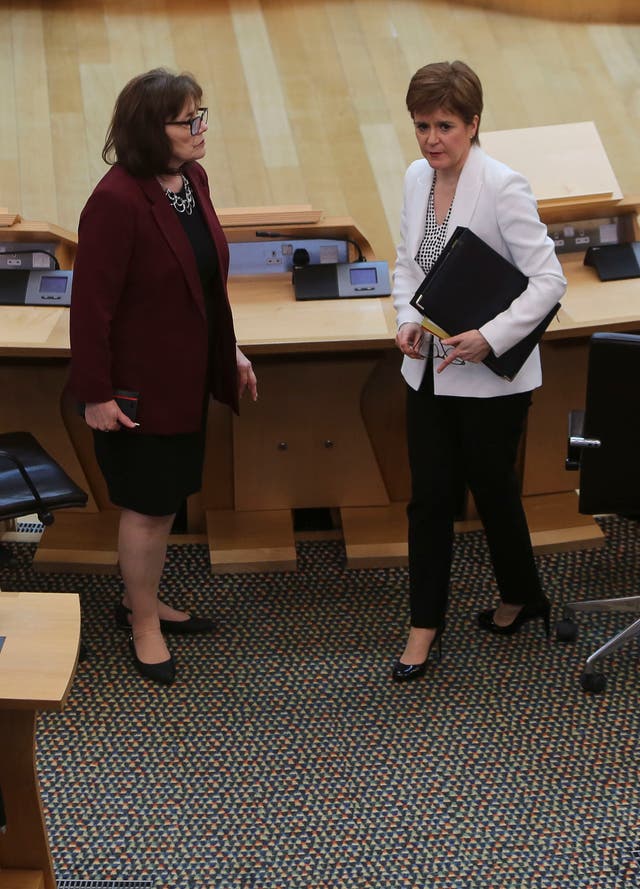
[
  {"x": 163, "y": 672},
  {"x": 189, "y": 626},
  {"x": 527, "y": 612},
  {"x": 404, "y": 672}
]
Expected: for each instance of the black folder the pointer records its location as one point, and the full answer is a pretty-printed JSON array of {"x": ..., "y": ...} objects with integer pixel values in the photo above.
[{"x": 469, "y": 284}]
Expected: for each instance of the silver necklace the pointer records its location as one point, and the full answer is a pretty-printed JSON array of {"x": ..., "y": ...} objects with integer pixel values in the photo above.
[{"x": 182, "y": 204}]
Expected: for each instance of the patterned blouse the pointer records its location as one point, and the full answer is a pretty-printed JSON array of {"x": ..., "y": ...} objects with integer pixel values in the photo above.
[{"x": 434, "y": 236}]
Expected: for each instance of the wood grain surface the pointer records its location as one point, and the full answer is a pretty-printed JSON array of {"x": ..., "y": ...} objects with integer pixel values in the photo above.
[{"x": 306, "y": 99}]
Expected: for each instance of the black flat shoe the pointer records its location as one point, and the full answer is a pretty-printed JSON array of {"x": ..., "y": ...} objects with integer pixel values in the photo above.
[
  {"x": 527, "y": 612},
  {"x": 191, "y": 625},
  {"x": 163, "y": 672},
  {"x": 405, "y": 672}
]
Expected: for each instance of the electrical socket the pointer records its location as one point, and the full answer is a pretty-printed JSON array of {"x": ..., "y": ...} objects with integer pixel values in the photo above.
[{"x": 274, "y": 258}]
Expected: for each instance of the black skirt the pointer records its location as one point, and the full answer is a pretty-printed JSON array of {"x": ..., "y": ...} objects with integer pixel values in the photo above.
[{"x": 150, "y": 474}]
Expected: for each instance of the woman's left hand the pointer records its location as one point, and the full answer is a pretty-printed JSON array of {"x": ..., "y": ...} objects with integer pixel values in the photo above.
[
  {"x": 468, "y": 346},
  {"x": 246, "y": 377}
]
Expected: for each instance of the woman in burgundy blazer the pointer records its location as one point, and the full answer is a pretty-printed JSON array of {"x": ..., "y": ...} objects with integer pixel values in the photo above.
[{"x": 151, "y": 323}]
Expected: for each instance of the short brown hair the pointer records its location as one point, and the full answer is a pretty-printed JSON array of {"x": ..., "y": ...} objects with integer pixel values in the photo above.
[
  {"x": 450, "y": 85},
  {"x": 136, "y": 137}
]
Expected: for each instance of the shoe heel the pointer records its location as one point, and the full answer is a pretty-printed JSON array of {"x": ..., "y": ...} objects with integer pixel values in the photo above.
[{"x": 435, "y": 651}]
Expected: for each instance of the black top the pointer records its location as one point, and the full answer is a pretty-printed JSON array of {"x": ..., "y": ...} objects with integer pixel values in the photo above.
[{"x": 204, "y": 251}]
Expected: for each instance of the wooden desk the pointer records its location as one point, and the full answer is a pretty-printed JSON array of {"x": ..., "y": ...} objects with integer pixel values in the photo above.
[
  {"x": 37, "y": 663},
  {"x": 324, "y": 387},
  {"x": 329, "y": 373},
  {"x": 328, "y": 429}
]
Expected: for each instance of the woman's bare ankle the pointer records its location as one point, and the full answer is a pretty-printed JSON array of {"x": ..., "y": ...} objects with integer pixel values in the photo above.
[
  {"x": 506, "y": 613},
  {"x": 418, "y": 645},
  {"x": 150, "y": 645}
]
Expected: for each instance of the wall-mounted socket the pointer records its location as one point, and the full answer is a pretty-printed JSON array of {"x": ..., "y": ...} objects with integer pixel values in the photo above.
[{"x": 274, "y": 258}]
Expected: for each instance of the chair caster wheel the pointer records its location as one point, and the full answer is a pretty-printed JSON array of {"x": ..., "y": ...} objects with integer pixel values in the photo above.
[
  {"x": 593, "y": 682},
  {"x": 566, "y": 630}
]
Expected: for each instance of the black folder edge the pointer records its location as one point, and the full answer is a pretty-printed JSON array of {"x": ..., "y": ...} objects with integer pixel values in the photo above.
[{"x": 507, "y": 365}]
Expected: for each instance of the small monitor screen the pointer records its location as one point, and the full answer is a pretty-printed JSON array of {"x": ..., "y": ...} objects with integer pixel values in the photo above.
[
  {"x": 53, "y": 284},
  {"x": 367, "y": 275}
]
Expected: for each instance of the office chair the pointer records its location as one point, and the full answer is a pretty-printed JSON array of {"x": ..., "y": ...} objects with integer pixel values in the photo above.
[
  {"x": 603, "y": 446},
  {"x": 31, "y": 481}
]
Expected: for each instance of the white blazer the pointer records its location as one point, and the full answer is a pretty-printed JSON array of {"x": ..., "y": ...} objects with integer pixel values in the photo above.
[{"x": 498, "y": 205}]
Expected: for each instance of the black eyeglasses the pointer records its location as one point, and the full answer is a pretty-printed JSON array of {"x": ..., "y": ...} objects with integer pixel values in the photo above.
[{"x": 195, "y": 123}]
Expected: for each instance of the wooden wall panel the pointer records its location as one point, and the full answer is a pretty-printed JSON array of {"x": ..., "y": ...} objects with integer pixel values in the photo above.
[
  {"x": 568, "y": 10},
  {"x": 306, "y": 98}
]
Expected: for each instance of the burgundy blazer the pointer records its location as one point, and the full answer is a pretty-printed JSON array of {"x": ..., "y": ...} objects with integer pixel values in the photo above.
[{"x": 138, "y": 318}]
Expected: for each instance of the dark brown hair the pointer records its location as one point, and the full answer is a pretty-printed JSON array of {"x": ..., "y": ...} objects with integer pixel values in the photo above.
[
  {"x": 136, "y": 137},
  {"x": 449, "y": 85}
]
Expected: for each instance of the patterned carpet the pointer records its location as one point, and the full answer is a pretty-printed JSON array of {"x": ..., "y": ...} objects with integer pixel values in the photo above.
[{"x": 284, "y": 758}]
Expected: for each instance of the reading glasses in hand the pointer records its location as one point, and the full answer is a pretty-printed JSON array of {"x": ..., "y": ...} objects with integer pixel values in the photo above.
[{"x": 442, "y": 351}]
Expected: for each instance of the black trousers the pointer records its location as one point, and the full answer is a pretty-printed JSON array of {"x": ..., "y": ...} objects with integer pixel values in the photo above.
[{"x": 452, "y": 442}]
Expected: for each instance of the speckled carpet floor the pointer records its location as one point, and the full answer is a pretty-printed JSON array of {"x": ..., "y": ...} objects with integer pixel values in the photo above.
[{"x": 285, "y": 758}]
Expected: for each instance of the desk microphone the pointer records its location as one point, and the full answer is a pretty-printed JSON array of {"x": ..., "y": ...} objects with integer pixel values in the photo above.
[{"x": 300, "y": 258}]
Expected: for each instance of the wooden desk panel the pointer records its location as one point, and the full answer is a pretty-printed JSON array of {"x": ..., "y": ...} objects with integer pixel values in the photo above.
[
  {"x": 304, "y": 443},
  {"x": 37, "y": 663},
  {"x": 21, "y": 879}
]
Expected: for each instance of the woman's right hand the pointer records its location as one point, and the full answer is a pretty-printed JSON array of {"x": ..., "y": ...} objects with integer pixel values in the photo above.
[
  {"x": 409, "y": 339},
  {"x": 106, "y": 416}
]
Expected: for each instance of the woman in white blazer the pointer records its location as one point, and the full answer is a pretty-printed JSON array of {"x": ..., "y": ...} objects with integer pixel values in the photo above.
[{"x": 463, "y": 421}]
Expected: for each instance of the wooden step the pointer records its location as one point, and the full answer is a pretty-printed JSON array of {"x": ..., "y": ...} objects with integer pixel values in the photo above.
[{"x": 21, "y": 879}]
